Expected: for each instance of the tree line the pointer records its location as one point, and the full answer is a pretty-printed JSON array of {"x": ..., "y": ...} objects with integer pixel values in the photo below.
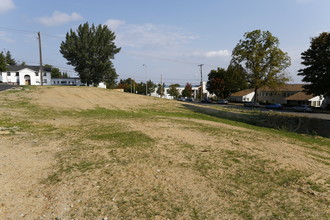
[{"x": 257, "y": 61}]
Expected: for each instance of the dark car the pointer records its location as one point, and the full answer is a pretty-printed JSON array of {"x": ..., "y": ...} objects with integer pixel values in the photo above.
[
  {"x": 252, "y": 104},
  {"x": 274, "y": 106},
  {"x": 302, "y": 108},
  {"x": 222, "y": 101},
  {"x": 206, "y": 101}
]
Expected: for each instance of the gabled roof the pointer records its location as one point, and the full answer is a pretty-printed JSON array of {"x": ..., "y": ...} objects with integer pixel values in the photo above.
[
  {"x": 243, "y": 92},
  {"x": 284, "y": 88},
  {"x": 300, "y": 96},
  {"x": 14, "y": 68}
]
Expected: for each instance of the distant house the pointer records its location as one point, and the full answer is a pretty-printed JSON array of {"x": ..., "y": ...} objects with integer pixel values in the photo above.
[
  {"x": 74, "y": 81},
  {"x": 25, "y": 75},
  {"x": 302, "y": 98},
  {"x": 288, "y": 94},
  {"x": 180, "y": 88},
  {"x": 246, "y": 95}
]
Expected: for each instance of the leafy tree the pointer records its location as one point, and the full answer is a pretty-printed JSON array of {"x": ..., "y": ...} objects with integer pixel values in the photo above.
[
  {"x": 141, "y": 88},
  {"x": 9, "y": 59},
  {"x": 235, "y": 79},
  {"x": 216, "y": 83},
  {"x": 317, "y": 62},
  {"x": 263, "y": 62},
  {"x": 127, "y": 84},
  {"x": 90, "y": 50},
  {"x": 187, "y": 91},
  {"x": 55, "y": 72},
  {"x": 3, "y": 64},
  {"x": 23, "y": 63},
  {"x": 161, "y": 89},
  {"x": 173, "y": 91},
  {"x": 151, "y": 87}
]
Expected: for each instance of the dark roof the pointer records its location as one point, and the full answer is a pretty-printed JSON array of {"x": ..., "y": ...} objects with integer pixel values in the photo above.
[
  {"x": 13, "y": 68},
  {"x": 284, "y": 88},
  {"x": 242, "y": 92},
  {"x": 300, "y": 96}
]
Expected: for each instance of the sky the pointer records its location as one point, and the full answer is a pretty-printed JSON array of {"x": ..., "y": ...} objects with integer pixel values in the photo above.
[{"x": 162, "y": 38}]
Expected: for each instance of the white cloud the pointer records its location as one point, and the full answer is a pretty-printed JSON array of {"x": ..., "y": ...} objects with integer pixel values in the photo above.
[
  {"x": 151, "y": 36},
  {"x": 218, "y": 53},
  {"x": 4, "y": 37},
  {"x": 211, "y": 54},
  {"x": 59, "y": 18},
  {"x": 6, "y": 5},
  {"x": 114, "y": 24}
]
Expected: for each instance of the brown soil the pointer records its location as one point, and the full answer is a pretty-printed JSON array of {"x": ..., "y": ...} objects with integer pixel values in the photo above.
[{"x": 27, "y": 159}]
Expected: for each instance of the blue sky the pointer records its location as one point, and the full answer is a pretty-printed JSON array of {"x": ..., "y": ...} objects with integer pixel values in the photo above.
[{"x": 171, "y": 37}]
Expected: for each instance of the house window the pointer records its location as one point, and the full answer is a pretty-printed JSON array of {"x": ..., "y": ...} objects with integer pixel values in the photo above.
[
  {"x": 45, "y": 80},
  {"x": 17, "y": 73},
  {"x": 45, "y": 74},
  {"x": 8, "y": 73},
  {"x": 37, "y": 73}
]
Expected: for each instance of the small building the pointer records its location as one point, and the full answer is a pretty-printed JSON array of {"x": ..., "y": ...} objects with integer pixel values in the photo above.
[
  {"x": 288, "y": 94},
  {"x": 302, "y": 98},
  {"x": 74, "y": 81},
  {"x": 25, "y": 75},
  {"x": 246, "y": 95},
  {"x": 195, "y": 89}
]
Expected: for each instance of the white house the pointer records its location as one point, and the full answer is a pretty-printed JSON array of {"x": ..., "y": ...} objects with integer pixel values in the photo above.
[
  {"x": 74, "y": 81},
  {"x": 195, "y": 89},
  {"x": 25, "y": 75},
  {"x": 288, "y": 94},
  {"x": 246, "y": 95}
]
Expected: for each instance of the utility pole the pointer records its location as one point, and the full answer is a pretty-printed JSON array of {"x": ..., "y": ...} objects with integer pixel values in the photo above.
[
  {"x": 161, "y": 86},
  {"x": 131, "y": 85},
  {"x": 201, "y": 68},
  {"x": 145, "y": 69},
  {"x": 40, "y": 55}
]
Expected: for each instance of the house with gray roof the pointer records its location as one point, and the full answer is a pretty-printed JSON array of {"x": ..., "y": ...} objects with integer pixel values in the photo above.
[{"x": 25, "y": 75}]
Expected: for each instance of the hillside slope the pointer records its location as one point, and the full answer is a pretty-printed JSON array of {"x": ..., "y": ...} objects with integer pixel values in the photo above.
[{"x": 88, "y": 153}]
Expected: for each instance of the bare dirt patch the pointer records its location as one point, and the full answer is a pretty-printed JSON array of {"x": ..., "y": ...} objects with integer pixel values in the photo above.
[{"x": 112, "y": 156}]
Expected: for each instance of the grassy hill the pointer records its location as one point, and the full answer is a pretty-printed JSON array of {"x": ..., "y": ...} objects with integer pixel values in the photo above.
[{"x": 88, "y": 153}]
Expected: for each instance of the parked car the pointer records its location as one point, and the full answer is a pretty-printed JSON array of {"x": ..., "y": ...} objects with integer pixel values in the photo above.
[
  {"x": 274, "y": 106},
  {"x": 302, "y": 108},
  {"x": 252, "y": 104},
  {"x": 206, "y": 101},
  {"x": 189, "y": 100},
  {"x": 222, "y": 101}
]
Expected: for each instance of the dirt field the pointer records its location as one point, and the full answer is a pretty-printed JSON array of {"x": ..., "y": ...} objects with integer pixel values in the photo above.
[{"x": 87, "y": 153}]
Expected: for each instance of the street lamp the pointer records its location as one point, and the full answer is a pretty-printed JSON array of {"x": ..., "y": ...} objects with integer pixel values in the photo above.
[{"x": 145, "y": 69}]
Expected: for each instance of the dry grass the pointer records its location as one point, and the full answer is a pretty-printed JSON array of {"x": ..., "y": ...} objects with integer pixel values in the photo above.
[{"x": 122, "y": 156}]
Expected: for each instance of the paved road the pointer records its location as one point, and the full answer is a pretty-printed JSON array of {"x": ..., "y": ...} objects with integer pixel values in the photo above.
[
  {"x": 5, "y": 87},
  {"x": 315, "y": 114}
]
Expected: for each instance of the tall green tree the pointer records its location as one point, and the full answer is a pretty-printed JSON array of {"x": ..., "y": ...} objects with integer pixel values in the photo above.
[
  {"x": 264, "y": 63},
  {"x": 127, "y": 84},
  {"x": 3, "y": 64},
  {"x": 9, "y": 59},
  {"x": 216, "y": 83},
  {"x": 161, "y": 89},
  {"x": 55, "y": 72},
  {"x": 187, "y": 91},
  {"x": 317, "y": 62},
  {"x": 90, "y": 50},
  {"x": 223, "y": 82},
  {"x": 173, "y": 91},
  {"x": 151, "y": 87}
]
